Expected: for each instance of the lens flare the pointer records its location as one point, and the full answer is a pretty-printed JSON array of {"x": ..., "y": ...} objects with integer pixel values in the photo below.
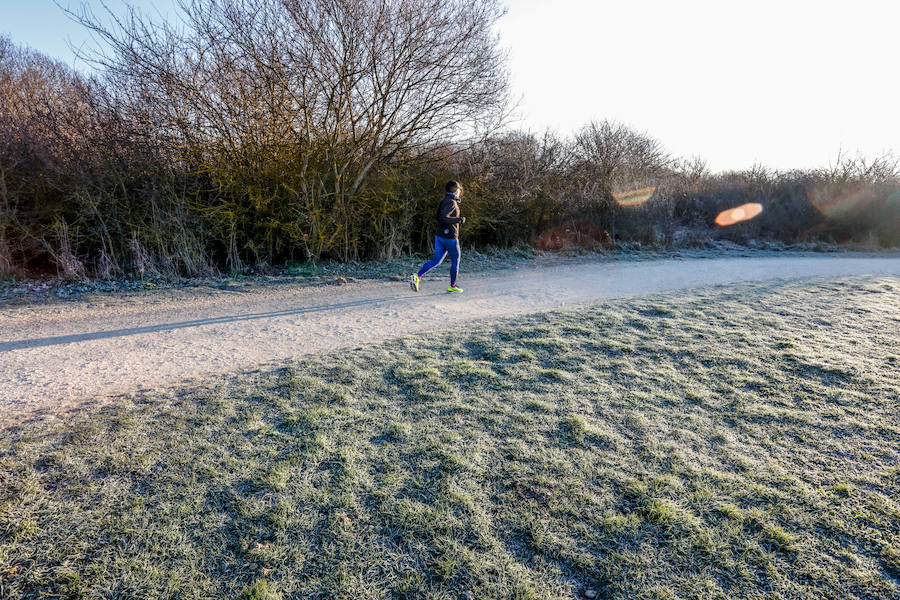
[
  {"x": 744, "y": 212},
  {"x": 634, "y": 197},
  {"x": 842, "y": 200}
]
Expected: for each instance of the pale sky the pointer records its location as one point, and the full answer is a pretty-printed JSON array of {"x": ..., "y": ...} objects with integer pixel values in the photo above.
[{"x": 782, "y": 83}]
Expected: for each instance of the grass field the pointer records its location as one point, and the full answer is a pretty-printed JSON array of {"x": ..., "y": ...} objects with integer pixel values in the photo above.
[{"x": 739, "y": 442}]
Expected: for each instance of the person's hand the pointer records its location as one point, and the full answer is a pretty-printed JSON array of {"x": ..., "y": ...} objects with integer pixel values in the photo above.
[{"x": 463, "y": 220}]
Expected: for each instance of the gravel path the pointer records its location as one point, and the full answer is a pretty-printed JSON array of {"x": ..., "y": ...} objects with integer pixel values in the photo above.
[{"x": 59, "y": 356}]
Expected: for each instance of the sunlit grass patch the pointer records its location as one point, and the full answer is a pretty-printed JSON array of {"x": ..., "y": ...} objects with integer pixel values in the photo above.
[{"x": 722, "y": 444}]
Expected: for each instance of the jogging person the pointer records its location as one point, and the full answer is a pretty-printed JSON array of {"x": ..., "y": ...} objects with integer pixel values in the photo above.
[{"x": 446, "y": 240}]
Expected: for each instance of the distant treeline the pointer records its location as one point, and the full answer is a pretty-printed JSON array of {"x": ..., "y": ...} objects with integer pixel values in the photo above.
[{"x": 255, "y": 132}]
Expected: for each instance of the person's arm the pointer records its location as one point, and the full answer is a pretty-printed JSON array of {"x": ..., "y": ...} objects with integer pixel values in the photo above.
[{"x": 446, "y": 212}]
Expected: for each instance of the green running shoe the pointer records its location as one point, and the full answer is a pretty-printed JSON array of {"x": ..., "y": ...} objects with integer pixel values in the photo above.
[
  {"x": 453, "y": 289},
  {"x": 414, "y": 282}
]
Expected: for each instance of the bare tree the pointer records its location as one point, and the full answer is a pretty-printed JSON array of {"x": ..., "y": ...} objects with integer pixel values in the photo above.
[
  {"x": 81, "y": 186},
  {"x": 526, "y": 178},
  {"x": 611, "y": 154},
  {"x": 314, "y": 94},
  {"x": 41, "y": 123},
  {"x": 608, "y": 156}
]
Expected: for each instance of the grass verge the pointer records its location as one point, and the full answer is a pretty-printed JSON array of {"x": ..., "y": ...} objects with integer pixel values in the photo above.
[
  {"x": 739, "y": 442},
  {"x": 17, "y": 291}
]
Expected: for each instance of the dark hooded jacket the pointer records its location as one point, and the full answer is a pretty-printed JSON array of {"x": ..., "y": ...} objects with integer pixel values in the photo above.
[{"x": 448, "y": 217}]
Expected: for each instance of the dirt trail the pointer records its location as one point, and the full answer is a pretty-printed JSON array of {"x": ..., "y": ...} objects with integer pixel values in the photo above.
[{"x": 53, "y": 357}]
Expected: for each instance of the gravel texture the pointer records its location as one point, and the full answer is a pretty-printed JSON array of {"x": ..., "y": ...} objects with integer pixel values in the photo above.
[{"x": 55, "y": 357}]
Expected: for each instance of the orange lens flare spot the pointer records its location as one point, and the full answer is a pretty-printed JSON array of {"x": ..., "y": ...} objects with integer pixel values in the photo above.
[
  {"x": 744, "y": 212},
  {"x": 634, "y": 197}
]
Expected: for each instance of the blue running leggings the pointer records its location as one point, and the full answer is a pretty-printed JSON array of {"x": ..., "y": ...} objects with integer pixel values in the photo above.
[{"x": 443, "y": 247}]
